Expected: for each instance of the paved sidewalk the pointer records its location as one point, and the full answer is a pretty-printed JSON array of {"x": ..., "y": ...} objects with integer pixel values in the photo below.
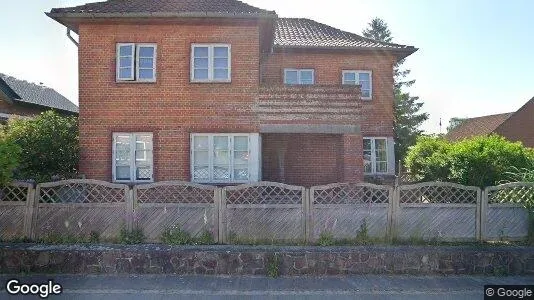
[{"x": 217, "y": 287}]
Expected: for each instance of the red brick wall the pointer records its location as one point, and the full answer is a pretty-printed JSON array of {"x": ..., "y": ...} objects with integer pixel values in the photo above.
[
  {"x": 172, "y": 107},
  {"x": 302, "y": 159},
  {"x": 377, "y": 114},
  {"x": 520, "y": 126}
]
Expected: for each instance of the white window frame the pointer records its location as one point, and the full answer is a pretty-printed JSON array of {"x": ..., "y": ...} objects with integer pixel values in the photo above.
[
  {"x": 357, "y": 81},
  {"x": 253, "y": 152},
  {"x": 299, "y": 82},
  {"x": 133, "y": 162},
  {"x": 135, "y": 62},
  {"x": 373, "y": 155},
  {"x": 211, "y": 65}
]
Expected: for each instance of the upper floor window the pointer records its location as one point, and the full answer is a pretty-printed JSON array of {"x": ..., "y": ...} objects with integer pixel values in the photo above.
[
  {"x": 299, "y": 76},
  {"x": 375, "y": 155},
  {"x": 363, "y": 78},
  {"x": 136, "y": 62},
  {"x": 210, "y": 63},
  {"x": 132, "y": 157}
]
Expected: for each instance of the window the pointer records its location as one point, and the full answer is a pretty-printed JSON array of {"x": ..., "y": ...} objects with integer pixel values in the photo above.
[
  {"x": 375, "y": 155},
  {"x": 299, "y": 76},
  {"x": 132, "y": 157},
  {"x": 136, "y": 62},
  {"x": 363, "y": 78},
  {"x": 210, "y": 63},
  {"x": 224, "y": 157}
]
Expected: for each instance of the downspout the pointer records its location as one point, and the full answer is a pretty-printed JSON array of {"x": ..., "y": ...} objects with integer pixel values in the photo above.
[{"x": 71, "y": 38}]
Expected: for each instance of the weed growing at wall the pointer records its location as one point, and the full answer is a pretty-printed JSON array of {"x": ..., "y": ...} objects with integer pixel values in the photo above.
[{"x": 134, "y": 236}]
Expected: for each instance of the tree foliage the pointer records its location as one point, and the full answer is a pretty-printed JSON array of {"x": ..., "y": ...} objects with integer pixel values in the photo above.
[
  {"x": 455, "y": 122},
  {"x": 479, "y": 161},
  {"x": 9, "y": 159},
  {"x": 407, "y": 109},
  {"x": 49, "y": 146}
]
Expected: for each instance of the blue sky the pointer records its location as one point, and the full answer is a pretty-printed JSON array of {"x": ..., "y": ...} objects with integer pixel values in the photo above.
[{"x": 475, "y": 57}]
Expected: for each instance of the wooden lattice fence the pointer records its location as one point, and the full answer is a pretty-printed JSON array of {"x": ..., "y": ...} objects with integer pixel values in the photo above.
[
  {"x": 266, "y": 211},
  {"x": 344, "y": 210},
  {"x": 437, "y": 210},
  {"x": 263, "y": 211},
  {"x": 503, "y": 217},
  {"x": 176, "y": 204},
  {"x": 78, "y": 207},
  {"x": 16, "y": 200}
]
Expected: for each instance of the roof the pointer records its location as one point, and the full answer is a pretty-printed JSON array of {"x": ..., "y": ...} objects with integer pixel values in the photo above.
[
  {"x": 306, "y": 33},
  {"x": 162, "y": 8},
  {"x": 477, "y": 126},
  {"x": 27, "y": 92}
]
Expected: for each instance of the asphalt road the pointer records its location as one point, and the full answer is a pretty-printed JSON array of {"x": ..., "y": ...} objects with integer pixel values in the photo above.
[{"x": 217, "y": 287}]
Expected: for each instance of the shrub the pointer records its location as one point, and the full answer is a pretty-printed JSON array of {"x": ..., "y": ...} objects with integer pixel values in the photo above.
[
  {"x": 479, "y": 161},
  {"x": 326, "y": 239},
  {"x": 135, "y": 236},
  {"x": 49, "y": 146},
  {"x": 427, "y": 160},
  {"x": 9, "y": 159},
  {"x": 176, "y": 236}
]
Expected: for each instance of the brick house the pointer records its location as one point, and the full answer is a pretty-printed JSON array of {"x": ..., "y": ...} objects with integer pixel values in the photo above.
[
  {"x": 515, "y": 126},
  {"x": 222, "y": 92},
  {"x": 20, "y": 98}
]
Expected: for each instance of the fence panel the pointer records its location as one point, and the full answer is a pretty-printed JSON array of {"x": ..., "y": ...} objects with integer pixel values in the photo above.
[
  {"x": 165, "y": 205},
  {"x": 264, "y": 211},
  {"x": 503, "y": 216},
  {"x": 344, "y": 209},
  {"x": 14, "y": 201},
  {"x": 78, "y": 207},
  {"x": 438, "y": 210}
]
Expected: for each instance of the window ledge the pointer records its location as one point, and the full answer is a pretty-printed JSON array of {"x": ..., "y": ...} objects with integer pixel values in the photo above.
[
  {"x": 210, "y": 81},
  {"x": 135, "y": 81}
]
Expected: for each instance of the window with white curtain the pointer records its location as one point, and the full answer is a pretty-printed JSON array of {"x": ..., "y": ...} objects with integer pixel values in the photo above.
[
  {"x": 224, "y": 157},
  {"x": 375, "y": 155},
  {"x": 132, "y": 157}
]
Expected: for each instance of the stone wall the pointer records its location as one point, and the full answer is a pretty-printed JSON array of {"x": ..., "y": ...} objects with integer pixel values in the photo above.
[{"x": 255, "y": 260}]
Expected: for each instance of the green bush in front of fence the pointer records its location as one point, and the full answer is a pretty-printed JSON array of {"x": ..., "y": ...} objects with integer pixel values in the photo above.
[
  {"x": 480, "y": 161},
  {"x": 177, "y": 236},
  {"x": 9, "y": 159},
  {"x": 49, "y": 146}
]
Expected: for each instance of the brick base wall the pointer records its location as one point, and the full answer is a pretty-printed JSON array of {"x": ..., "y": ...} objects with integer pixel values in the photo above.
[{"x": 256, "y": 260}]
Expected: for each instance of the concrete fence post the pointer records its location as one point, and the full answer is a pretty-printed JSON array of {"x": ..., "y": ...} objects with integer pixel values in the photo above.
[
  {"x": 32, "y": 198},
  {"x": 393, "y": 211},
  {"x": 216, "y": 214},
  {"x": 482, "y": 208},
  {"x": 309, "y": 215},
  {"x": 131, "y": 195},
  {"x": 223, "y": 239}
]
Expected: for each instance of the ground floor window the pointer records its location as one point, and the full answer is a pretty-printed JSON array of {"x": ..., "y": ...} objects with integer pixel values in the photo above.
[
  {"x": 375, "y": 155},
  {"x": 132, "y": 157},
  {"x": 225, "y": 157}
]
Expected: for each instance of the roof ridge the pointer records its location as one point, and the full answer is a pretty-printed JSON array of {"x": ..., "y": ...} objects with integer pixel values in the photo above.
[
  {"x": 353, "y": 34},
  {"x": 492, "y": 115},
  {"x": 362, "y": 37}
]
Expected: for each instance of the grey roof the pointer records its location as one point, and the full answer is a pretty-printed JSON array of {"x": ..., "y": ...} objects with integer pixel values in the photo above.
[
  {"x": 306, "y": 33},
  {"x": 27, "y": 92},
  {"x": 170, "y": 7}
]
